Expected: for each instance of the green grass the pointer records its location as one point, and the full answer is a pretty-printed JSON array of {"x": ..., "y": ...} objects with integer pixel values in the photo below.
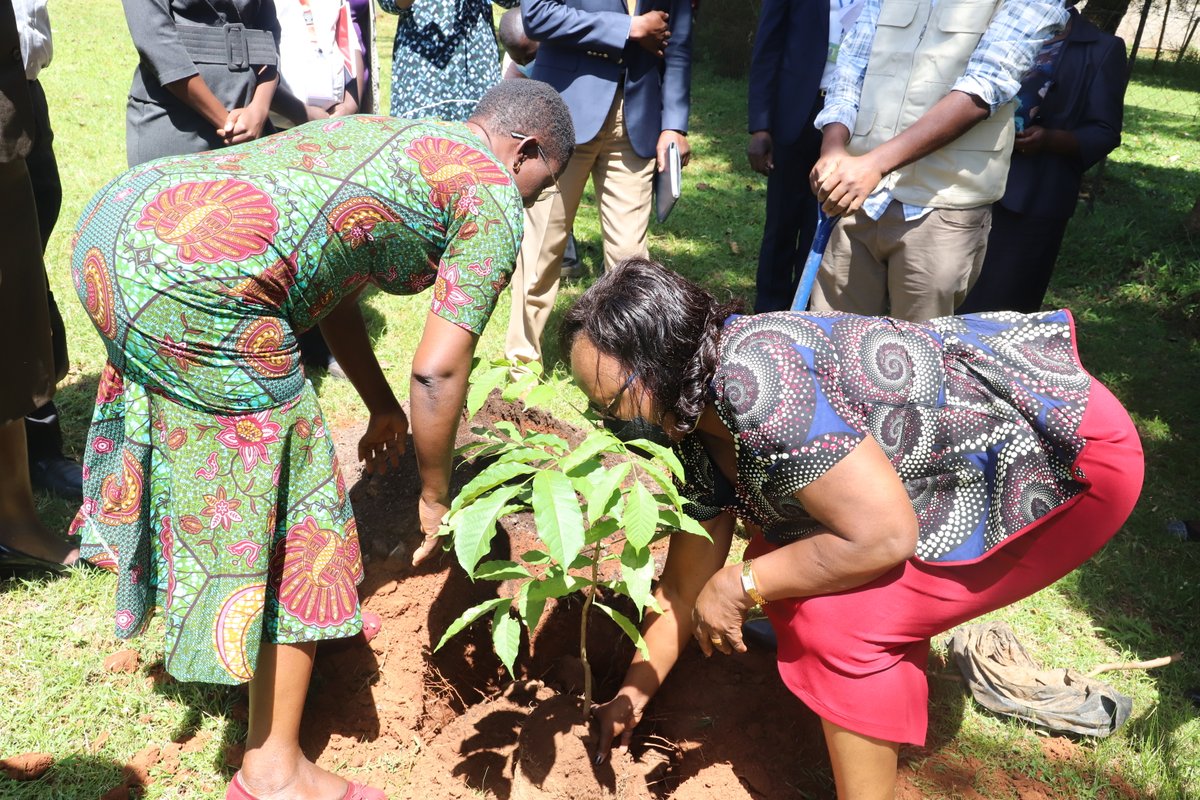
[{"x": 1128, "y": 270}]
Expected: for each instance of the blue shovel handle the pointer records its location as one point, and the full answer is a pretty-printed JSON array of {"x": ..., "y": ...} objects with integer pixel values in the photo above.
[{"x": 812, "y": 264}]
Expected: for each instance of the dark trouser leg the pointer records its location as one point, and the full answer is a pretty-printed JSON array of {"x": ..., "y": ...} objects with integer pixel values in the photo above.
[
  {"x": 43, "y": 431},
  {"x": 1020, "y": 259},
  {"x": 313, "y": 349},
  {"x": 790, "y": 224}
]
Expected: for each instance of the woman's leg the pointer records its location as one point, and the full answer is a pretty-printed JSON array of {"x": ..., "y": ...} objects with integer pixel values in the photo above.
[
  {"x": 20, "y": 527},
  {"x": 863, "y": 768},
  {"x": 274, "y": 765}
]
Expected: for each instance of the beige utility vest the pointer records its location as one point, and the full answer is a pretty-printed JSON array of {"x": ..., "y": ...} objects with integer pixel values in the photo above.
[{"x": 920, "y": 49}]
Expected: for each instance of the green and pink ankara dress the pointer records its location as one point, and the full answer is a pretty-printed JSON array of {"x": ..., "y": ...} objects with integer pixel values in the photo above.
[{"x": 211, "y": 485}]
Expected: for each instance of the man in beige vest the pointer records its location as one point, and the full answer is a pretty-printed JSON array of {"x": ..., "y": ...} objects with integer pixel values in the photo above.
[{"x": 926, "y": 87}]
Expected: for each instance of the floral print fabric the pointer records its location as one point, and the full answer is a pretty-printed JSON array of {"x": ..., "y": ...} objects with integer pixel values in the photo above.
[
  {"x": 444, "y": 57},
  {"x": 978, "y": 414},
  {"x": 211, "y": 485}
]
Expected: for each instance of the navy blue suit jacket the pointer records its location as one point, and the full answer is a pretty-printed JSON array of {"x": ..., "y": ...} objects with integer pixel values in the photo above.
[
  {"x": 1087, "y": 98},
  {"x": 584, "y": 50},
  {"x": 785, "y": 70}
]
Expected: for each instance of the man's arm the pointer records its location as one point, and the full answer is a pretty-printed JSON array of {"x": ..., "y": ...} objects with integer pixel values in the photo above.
[
  {"x": 554, "y": 21},
  {"x": 1100, "y": 131},
  {"x": 677, "y": 86},
  {"x": 1007, "y": 49},
  {"x": 843, "y": 182},
  {"x": 769, "y": 42},
  {"x": 845, "y": 86}
]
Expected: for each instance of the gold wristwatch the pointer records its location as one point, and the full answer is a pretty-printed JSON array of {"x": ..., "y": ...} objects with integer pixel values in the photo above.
[{"x": 748, "y": 583}]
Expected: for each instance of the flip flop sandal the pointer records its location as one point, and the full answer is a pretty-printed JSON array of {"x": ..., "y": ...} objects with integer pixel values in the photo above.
[{"x": 354, "y": 791}]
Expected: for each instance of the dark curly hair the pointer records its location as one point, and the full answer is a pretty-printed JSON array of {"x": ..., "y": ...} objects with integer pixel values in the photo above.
[{"x": 660, "y": 326}]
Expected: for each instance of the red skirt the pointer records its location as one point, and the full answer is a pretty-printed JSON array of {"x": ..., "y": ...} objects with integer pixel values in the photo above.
[{"x": 857, "y": 658}]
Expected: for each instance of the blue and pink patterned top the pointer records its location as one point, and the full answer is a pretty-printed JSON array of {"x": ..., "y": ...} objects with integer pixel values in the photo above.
[{"x": 978, "y": 414}]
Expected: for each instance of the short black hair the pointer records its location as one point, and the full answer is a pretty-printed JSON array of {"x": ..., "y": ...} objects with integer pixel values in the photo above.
[
  {"x": 533, "y": 108},
  {"x": 659, "y": 326},
  {"x": 511, "y": 32}
]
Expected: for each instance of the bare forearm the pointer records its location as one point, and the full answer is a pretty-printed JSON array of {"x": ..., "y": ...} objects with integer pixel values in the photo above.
[
  {"x": 194, "y": 92},
  {"x": 264, "y": 92},
  {"x": 345, "y": 332},
  {"x": 436, "y": 404},
  {"x": 440, "y": 372},
  {"x": 666, "y": 636},
  {"x": 823, "y": 563},
  {"x": 691, "y": 561},
  {"x": 950, "y": 118}
]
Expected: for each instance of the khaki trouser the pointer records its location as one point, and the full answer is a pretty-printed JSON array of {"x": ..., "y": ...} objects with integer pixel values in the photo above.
[
  {"x": 624, "y": 186},
  {"x": 914, "y": 270}
]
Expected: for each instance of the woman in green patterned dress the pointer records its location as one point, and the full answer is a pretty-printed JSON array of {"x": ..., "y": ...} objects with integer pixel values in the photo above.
[{"x": 211, "y": 484}]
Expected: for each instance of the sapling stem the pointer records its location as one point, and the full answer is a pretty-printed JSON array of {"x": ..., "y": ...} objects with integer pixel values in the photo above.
[{"x": 583, "y": 629}]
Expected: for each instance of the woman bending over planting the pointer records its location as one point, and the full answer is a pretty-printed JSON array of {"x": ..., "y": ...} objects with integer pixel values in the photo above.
[
  {"x": 210, "y": 481},
  {"x": 898, "y": 479}
]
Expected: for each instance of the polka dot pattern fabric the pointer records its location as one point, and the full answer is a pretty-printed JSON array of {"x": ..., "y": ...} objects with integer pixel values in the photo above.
[{"x": 979, "y": 415}]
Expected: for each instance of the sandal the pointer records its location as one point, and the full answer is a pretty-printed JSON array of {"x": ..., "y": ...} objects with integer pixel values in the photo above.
[
  {"x": 354, "y": 791},
  {"x": 372, "y": 623}
]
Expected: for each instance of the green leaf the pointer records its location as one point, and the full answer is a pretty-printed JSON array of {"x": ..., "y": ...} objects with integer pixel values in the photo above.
[
  {"x": 473, "y": 451},
  {"x": 492, "y": 476},
  {"x": 665, "y": 454},
  {"x": 535, "y": 557},
  {"x": 557, "y": 582},
  {"x": 470, "y": 615},
  {"x": 540, "y": 396},
  {"x": 501, "y": 570},
  {"x": 529, "y": 606},
  {"x": 637, "y": 571},
  {"x": 555, "y": 443},
  {"x": 482, "y": 386},
  {"x": 641, "y": 515},
  {"x": 507, "y": 428},
  {"x": 524, "y": 382},
  {"x": 475, "y": 527},
  {"x": 665, "y": 482},
  {"x": 601, "y": 530},
  {"x": 557, "y": 516},
  {"x": 524, "y": 455},
  {"x": 630, "y": 629},
  {"x": 599, "y": 499},
  {"x": 682, "y": 522},
  {"x": 506, "y": 637},
  {"x": 596, "y": 442}
]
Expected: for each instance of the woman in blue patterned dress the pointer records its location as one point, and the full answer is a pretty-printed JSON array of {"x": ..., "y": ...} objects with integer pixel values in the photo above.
[
  {"x": 898, "y": 479},
  {"x": 445, "y": 56},
  {"x": 210, "y": 482}
]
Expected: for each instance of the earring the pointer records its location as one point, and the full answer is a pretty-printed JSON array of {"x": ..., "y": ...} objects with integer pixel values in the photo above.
[{"x": 517, "y": 167}]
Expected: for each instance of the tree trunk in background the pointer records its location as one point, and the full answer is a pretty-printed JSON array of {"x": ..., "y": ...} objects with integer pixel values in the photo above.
[{"x": 1106, "y": 14}]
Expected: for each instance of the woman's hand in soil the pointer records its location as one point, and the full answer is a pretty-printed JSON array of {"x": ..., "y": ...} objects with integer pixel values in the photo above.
[
  {"x": 430, "y": 513},
  {"x": 616, "y": 720},
  {"x": 720, "y": 611},
  {"x": 384, "y": 441}
]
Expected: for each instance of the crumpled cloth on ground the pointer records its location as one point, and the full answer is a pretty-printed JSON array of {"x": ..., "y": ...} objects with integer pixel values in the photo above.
[{"x": 1003, "y": 678}]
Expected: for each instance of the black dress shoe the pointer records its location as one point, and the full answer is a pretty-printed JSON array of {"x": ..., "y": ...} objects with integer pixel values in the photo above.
[
  {"x": 15, "y": 562},
  {"x": 59, "y": 476}
]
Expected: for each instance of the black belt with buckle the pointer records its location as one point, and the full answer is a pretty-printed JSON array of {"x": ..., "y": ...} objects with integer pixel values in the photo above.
[{"x": 233, "y": 44}]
